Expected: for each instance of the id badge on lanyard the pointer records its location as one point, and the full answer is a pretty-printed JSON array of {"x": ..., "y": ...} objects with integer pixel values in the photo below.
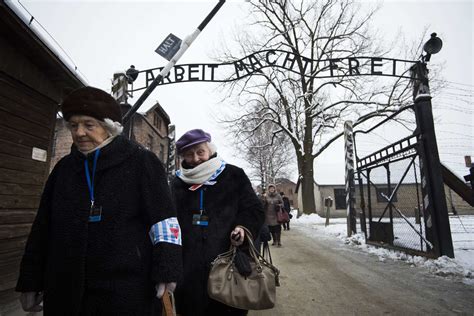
[
  {"x": 95, "y": 212},
  {"x": 201, "y": 219}
]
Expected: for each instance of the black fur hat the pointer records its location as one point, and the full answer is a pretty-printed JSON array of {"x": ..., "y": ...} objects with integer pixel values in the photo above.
[{"x": 93, "y": 102}]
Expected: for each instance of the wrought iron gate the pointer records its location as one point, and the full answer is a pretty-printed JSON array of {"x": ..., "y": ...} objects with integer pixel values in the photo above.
[{"x": 391, "y": 198}]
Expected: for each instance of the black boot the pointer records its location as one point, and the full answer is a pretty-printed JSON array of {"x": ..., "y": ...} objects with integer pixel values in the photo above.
[
  {"x": 274, "y": 238},
  {"x": 278, "y": 235}
]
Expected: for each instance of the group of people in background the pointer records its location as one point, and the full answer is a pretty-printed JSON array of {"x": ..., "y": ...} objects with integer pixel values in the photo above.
[{"x": 273, "y": 203}]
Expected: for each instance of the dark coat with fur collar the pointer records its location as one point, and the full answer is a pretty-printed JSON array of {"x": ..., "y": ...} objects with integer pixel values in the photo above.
[
  {"x": 228, "y": 203},
  {"x": 107, "y": 267}
]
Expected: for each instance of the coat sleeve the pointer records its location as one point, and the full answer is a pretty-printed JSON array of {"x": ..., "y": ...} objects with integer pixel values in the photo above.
[
  {"x": 33, "y": 263},
  {"x": 250, "y": 214},
  {"x": 159, "y": 208}
]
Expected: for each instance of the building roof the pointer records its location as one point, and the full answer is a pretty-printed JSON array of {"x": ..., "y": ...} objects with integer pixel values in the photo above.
[
  {"x": 18, "y": 27},
  {"x": 157, "y": 108}
]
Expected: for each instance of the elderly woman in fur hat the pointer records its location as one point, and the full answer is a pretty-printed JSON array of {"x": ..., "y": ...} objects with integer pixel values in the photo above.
[
  {"x": 214, "y": 200},
  {"x": 272, "y": 204},
  {"x": 106, "y": 239}
]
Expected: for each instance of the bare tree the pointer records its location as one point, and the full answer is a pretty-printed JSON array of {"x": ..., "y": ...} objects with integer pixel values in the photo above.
[
  {"x": 310, "y": 111},
  {"x": 269, "y": 156}
]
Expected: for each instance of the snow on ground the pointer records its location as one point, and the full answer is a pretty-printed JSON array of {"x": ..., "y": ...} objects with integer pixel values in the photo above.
[{"x": 462, "y": 229}]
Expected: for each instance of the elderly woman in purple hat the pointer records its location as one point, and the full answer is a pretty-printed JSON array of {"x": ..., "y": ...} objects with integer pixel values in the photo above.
[
  {"x": 106, "y": 239},
  {"x": 214, "y": 200}
]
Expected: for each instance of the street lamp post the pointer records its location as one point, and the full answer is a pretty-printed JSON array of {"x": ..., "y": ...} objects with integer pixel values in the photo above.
[{"x": 434, "y": 200}]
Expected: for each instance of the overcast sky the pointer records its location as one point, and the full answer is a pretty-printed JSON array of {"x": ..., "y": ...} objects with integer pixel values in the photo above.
[{"x": 103, "y": 37}]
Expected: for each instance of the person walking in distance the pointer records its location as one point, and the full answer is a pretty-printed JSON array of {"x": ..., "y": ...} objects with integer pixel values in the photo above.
[
  {"x": 273, "y": 203},
  {"x": 286, "y": 208}
]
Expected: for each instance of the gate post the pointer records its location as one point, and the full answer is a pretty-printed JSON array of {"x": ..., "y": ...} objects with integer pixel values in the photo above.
[
  {"x": 435, "y": 213},
  {"x": 350, "y": 185}
]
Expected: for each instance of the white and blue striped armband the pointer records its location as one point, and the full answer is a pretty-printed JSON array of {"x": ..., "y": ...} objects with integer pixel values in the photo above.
[{"x": 167, "y": 230}]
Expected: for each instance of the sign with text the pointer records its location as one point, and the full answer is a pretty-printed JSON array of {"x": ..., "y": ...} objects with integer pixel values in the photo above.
[
  {"x": 256, "y": 62},
  {"x": 169, "y": 46}
]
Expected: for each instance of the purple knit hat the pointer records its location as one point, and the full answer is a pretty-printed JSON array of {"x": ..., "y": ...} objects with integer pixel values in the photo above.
[{"x": 191, "y": 138}]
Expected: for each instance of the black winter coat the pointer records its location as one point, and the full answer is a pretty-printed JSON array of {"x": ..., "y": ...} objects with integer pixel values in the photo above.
[
  {"x": 108, "y": 267},
  {"x": 229, "y": 202}
]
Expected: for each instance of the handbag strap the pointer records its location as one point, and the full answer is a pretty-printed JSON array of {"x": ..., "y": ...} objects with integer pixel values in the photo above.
[
  {"x": 258, "y": 258},
  {"x": 266, "y": 251}
]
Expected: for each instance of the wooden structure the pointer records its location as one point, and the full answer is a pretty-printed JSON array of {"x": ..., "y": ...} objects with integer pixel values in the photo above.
[{"x": 33, "y": 81}]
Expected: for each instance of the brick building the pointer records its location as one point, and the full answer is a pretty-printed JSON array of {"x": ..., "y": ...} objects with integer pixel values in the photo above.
[
  {"x": 404, "y": 198},
  {"x": 151, "y": 130}
]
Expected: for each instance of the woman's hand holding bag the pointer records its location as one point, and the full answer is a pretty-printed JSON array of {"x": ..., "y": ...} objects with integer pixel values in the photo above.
[{"x": 253, "y": 292}]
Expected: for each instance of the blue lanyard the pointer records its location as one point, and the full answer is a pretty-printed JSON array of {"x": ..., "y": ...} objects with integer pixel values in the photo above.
[
  {"x": 90, "y": 183},
  {"x": 201, "y": 199}
]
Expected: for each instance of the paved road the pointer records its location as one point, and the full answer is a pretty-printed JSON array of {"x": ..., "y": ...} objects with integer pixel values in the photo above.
[{"x": 326, "y": 277}]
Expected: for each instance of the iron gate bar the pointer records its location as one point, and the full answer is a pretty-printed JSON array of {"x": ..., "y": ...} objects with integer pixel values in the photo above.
[
  {"x": 396, "y": 188},
  {"x": 369, "y": 199},
  {"x": 389, "y": 189},
  {"x": 418, "y": 204},
  {"x": 388, "y": 118},
  {"x": 385, "y": 245},
  {"x": 384, "y": 155},
  {"x": 408, "y": 222}
]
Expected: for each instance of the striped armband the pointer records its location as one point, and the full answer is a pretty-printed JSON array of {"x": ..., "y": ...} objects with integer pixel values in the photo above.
[{"x": 167, "y": 230}]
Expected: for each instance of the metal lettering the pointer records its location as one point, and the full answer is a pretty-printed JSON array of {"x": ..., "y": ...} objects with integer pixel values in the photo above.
[
  {"x": 270, "y": 52},
  {"x": 327, "y": 68},
  {"x": 287, "y": 58},
  {"x": 354, "y": 69},
  {"x": 373, "y": 64},
  {"x": 193, "y": 69},
  {"x": 254, "y": 61},
  {"x": 240, "y": 66},
  {"x": 178, "y": 76},
  {"x": 333, "y": 65},
  {"x": 149, "y": 77},
  {"x": 213, "y": 67}
]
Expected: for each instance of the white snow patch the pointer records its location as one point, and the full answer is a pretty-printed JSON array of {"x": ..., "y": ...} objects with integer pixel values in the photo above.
[{"x": 461, "y": 266}]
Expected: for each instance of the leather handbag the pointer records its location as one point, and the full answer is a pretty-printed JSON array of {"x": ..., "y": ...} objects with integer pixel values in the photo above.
[
  {"x": 254, "y": 292},
  {"x": 282, "y": 217}
]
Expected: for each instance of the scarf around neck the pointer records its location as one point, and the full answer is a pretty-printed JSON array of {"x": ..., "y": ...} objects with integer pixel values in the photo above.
[
  {"x": 102, "y": 145},
  {"x": 205, "y": 173}
]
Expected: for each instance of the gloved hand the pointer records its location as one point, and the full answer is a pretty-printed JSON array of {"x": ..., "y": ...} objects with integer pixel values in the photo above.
[
  {"x": 161, "y": 287},
  {"x": 237, "y": 236},
  {"x": 30, "y": 301}
]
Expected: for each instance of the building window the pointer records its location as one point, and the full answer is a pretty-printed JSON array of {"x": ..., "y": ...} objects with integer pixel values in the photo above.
[
  {"x": 340, "y": 198},
  {"x": 162, "y": 153},
  {"x": 157, "y": 121},
  {"x": 384, "y": 191},
  {"x": 291, "y": 191},
  {"x": 150, "y": 142}
]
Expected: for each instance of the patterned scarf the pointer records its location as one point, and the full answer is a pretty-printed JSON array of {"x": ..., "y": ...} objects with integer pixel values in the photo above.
[{"x": 203, "y": 174}]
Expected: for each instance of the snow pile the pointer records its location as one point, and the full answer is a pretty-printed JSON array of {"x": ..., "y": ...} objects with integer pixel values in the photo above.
[{"x": 461, "y": 266}]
